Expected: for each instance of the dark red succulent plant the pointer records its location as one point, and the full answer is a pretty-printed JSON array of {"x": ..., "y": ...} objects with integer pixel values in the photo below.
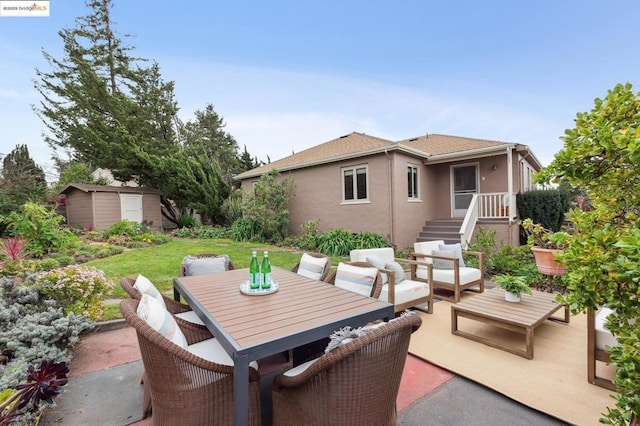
[{"x": 42, "y": 384}]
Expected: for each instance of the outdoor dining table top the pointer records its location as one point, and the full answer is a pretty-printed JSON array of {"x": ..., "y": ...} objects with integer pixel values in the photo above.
[{"x": 252, "y": 327}]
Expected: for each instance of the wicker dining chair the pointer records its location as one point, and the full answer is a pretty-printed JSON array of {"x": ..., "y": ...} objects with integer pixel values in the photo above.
[
  {"x": 185, "y": 388},
  {"x": 325, "y": 270},
  {"x": 183, "y": 270},
  {"x": 355, "y": 384}
]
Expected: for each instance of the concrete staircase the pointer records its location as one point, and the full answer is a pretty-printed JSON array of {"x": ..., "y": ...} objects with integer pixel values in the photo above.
[{"x": 441, "y": 229}]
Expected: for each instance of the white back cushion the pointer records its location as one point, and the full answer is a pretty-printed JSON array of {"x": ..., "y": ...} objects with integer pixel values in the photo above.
[
  {"x": 145, "y": 286},
  {"x": 357, "y": 279},
  {"x": 604, "y": 337},
  {"x": 158, "y": 318},
  {"x": 425, "y": 247},
  {"x": 360, "y": 255}
]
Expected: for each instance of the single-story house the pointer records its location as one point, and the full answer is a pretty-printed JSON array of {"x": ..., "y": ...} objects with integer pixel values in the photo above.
[
  {"x": 98, "y": 207},
  {"x": 408, "y": 190}
]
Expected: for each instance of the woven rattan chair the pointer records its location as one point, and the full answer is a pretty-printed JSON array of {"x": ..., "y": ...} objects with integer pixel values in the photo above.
[
  {"x": 355, "y": 384},
  {"x": 184, "y": 388},
  {"x": 182, "y": 270},
  {"x": 327, "y": 266},
  {"x": 376, "y": 289}
]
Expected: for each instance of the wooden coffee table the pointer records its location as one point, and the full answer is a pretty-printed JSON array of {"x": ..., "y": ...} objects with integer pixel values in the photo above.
[{"x": 491, "y": 308}]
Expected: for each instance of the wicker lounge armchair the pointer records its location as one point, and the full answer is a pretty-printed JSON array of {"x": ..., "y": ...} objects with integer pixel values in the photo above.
[
  {"x": 319, "y": 256},
  {"x": 185, "y": 388},
  {"x": 355, "y": 384}
]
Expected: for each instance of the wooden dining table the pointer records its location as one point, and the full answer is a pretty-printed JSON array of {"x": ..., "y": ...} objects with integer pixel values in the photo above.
[{"x": 252, "y": 327}]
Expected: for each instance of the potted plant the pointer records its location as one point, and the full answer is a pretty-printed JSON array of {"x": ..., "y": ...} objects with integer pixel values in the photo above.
[
  {"x": 513, "y": 285},
  {"x": 545, "y": 245}
]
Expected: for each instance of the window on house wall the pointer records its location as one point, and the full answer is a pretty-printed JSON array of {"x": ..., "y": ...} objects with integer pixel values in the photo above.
[
  {"x": 354, "y": 183},
  {"x": 412, "y": 182}
]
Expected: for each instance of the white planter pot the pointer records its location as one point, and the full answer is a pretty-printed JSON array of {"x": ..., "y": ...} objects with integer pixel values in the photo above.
[{"x": 511, "y": 297}]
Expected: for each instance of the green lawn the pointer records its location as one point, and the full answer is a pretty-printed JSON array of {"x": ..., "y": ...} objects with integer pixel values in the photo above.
[{"x": 161, "y": 263}]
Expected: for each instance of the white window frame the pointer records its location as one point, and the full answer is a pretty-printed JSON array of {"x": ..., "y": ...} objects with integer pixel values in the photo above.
[
  {"x": 354, "y": 169},
  {"x": 416, "y": 191}
]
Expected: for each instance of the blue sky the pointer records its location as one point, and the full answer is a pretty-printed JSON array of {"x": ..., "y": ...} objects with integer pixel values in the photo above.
[{"x": 288, "y": 75}]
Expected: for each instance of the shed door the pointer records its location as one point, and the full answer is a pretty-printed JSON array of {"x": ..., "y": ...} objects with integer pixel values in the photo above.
[{"x": 131, "y": 207}]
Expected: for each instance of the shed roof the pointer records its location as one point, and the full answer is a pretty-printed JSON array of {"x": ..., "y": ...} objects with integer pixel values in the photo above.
[{"x": 106, "y": 188}]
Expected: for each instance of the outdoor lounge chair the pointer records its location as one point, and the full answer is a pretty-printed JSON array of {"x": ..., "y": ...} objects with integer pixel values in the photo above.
[
  {"x": 313, "y": 265},
  {"x": 185, "y": 387},
  {"x": 448, "y": 272},
  {"x": 404, "y": 292},
  {"x": 356, "y": 383},
  {"x": 598, "y": 337}
]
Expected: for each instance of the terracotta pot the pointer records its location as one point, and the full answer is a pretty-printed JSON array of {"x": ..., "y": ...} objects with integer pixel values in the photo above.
[{"x": 546, "y": 261}]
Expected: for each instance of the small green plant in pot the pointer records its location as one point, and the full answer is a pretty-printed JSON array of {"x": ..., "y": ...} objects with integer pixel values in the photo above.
[{"x": 513, "y": 285}]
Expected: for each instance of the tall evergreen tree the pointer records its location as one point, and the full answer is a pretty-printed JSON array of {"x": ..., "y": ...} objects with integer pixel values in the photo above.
[{"x": 21, "y": 180}]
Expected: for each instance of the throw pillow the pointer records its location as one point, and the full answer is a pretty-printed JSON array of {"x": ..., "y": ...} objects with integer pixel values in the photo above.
[
  {"x": 347, "y": 334},
  {"x": 205, "y": 265},
  {"x": 378, "y": 263},
  {"x": 357, "y": 279},
  {"x": 158, "y": 318},
  {"x": 455, "y": 247},
  {"x": 441, "y": 263},
  {"x": 311, "y": 266},
  {"x": 398, "y": 271},
  {"x": 145, "y": 286}
]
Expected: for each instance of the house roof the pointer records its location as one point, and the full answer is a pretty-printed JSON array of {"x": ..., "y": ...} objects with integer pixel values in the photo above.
[
  {"x": 432, "y": 148},
  {"x": 105, "y": 188}
]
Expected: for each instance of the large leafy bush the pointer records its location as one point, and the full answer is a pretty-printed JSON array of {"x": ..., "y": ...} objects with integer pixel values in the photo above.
[{"x": 601, "y": 155}]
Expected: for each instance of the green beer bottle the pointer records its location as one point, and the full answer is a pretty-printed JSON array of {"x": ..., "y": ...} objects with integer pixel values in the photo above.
[
  {"x": 254, "y": 271},
  {"x": 266, "y": 271}
]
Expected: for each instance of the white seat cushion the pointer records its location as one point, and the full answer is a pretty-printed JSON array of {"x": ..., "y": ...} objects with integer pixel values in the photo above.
[
  {"x": 603, "y": 335},
  {"x": 191, "y": 317},
  {"x": 447, "y": 276},
  {"x": 300, "y": 368},
  {"x": 212, "y": 350},
  {"x": 405, "y": 291}
]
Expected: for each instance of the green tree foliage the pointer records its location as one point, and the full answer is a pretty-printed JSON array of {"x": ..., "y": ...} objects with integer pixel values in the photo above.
[
  {"x": 76, "y": 173},
  {"x": 206, "y": 136},
  {"x": 601, "y": 155},
  {"x": 265, "y": 207},
  {"x": 109, "y": 109},
  {"x": 21, "y": 180}
]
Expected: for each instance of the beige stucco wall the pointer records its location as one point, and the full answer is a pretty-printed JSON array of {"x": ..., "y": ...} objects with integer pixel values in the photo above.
[
  {"x": 389, "y": 212},
  {"x": 152, "y": 211},
  {"x": 318, "y": 195}
]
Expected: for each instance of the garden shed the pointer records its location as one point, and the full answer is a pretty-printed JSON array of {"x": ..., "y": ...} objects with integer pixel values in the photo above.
[{"x": 98, "y": 207}]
